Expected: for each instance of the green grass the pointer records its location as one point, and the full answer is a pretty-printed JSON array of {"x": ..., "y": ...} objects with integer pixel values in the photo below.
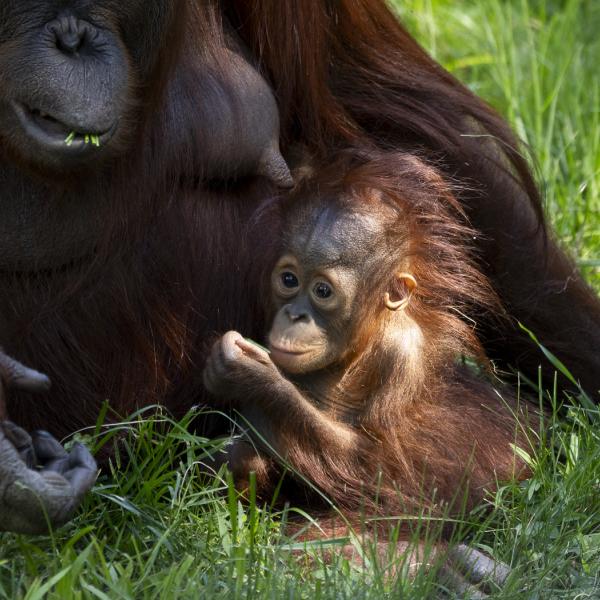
[
  {"x": 536, "y": 62},
  {"x": 157, "y": 528}
]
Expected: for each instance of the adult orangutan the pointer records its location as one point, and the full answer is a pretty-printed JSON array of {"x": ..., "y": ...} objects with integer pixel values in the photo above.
[
  {"x": 117, "y": 262},
  {"x": 74, "y": 103}
]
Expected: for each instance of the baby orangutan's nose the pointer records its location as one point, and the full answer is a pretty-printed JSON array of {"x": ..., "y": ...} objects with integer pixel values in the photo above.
[{"x": 296, "y": 314}]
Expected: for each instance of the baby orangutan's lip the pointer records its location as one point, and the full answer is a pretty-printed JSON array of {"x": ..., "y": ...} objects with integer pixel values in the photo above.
[
  {"x": 288, "y": 352},
  {"x": 288, "y": 359}
]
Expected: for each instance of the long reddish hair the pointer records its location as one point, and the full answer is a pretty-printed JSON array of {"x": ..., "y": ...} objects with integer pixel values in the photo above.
[
  {"x": 348, "y": 74},
  {"x": 347, "y": 71}
]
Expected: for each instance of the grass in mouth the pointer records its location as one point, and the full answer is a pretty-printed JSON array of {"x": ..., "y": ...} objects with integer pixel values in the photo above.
[{"x": 87, "y": 138}]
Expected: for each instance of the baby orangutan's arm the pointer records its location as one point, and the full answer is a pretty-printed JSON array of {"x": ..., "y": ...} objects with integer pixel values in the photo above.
[{"x": 286, "y": 424}]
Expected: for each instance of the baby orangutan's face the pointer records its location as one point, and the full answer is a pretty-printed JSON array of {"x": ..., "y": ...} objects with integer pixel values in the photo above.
[
  {"x": 312, "y": 327},
  {"x": 320, "y": 286}
]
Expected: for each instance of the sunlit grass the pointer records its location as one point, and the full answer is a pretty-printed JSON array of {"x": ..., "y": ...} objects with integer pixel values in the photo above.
[{"x": 536, "y": 62}]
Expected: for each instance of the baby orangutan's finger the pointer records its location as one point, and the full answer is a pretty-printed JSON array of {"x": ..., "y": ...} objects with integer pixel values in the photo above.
[{"x": 253, "y": 350}]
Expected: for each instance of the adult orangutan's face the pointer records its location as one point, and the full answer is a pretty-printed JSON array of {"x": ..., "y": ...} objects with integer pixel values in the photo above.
[{"x": 71, "y": 75}]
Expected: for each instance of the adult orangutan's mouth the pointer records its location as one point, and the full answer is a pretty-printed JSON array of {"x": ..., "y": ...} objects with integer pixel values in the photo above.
[{"x": 59, "y": 136}]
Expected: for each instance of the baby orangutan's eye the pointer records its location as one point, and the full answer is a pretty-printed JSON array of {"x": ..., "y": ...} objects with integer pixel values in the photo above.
[
  {"x": 322, "y": 290},
  {"x": 289, "y": 280}
]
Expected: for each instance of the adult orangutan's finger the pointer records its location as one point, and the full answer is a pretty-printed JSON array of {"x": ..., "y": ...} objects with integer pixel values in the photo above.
[
  {"x": 83, "y": 472},
  {"x": 18, "y": 376},
  {"x": 47, "y": 448},
  {"x": 489, "y": 574},
  {"x": 21, "y": 441}
]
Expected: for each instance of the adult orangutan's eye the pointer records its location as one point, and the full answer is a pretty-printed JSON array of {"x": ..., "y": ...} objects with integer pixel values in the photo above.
[
  {"x": 289, "y": 280},
  {"x": 322, "y": 290}
]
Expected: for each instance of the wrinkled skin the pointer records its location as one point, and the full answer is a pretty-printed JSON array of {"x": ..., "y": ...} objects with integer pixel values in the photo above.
[
  {"x": 472, "y": 574},
  {"x": 72, "y": 71},
  {"x": 41, "y": 484},
  {"x": 74, "y": 78},
  {"x": 69, "y": 73},
  {"x": 65, "y": 71}
]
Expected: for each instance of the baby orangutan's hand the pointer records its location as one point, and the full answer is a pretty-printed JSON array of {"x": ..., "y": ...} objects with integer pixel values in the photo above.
[{"x": 237, "y": 367}]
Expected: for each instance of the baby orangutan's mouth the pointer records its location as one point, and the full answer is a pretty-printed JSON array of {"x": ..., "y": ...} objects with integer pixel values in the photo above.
[
  {"x": 291, "y": 352},
  {"x": 290, "y": 347},
  {"x": 293, "y": 358},
  {"x": 281, "y": 355}
]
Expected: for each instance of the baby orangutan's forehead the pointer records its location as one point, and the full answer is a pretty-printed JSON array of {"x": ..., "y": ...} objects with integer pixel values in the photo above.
[{"x": 329, "y": 237}]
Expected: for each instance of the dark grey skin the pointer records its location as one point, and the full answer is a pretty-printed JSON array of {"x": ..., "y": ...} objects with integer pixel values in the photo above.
[
  {"x": 247, "y": 120},
  {"x": 49, "y": 89},
  {"x": 48, "y": 103},
  {"x": 41, "y": 485}
]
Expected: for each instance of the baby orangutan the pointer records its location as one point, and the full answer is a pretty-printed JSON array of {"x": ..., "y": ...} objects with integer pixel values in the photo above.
[{"x": 362, "y": 391}]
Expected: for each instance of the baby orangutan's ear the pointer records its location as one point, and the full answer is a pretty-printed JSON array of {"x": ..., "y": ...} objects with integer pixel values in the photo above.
[{"x": 402, "y": 289}]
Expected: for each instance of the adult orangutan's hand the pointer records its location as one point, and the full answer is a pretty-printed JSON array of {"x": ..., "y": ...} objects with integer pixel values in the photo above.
[{"x": 41, "y": 484}]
